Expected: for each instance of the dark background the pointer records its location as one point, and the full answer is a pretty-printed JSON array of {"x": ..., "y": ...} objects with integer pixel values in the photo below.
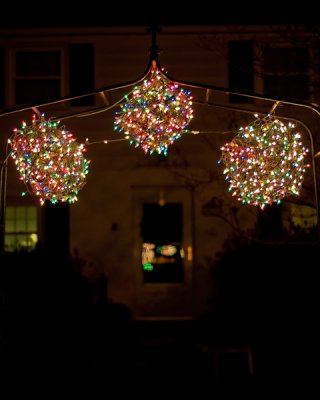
[{"x": 46, "y": 14}]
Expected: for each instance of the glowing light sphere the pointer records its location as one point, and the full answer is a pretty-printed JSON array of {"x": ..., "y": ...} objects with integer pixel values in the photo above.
[
  {"x": 50, "y": 161},
  {"x": 265, "y": 162},
  {"x": 155, "y": 114}
]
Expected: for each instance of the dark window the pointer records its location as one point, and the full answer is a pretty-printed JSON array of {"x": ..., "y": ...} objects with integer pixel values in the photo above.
[
  {"x": 270, "y": 226},
  {"x": 37, "y": 91},
  {"x": 284, "y": 60},
  {"x": 2, "y": 78},
  {"x": 81, "y": 74},
  {"x": 291, "y": 87},
  {"x": 286, "y": 73},
  {"x": 57, "y": 229},
  {"x": 161, "y": 231},
  {"x": 241, "y": 70},
  {"x": 37, "y": 76},
  {"x": 38, "y": 63}
]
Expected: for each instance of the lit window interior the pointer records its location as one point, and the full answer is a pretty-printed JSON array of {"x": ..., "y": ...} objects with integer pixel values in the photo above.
[{"x": 21, "y": 229}]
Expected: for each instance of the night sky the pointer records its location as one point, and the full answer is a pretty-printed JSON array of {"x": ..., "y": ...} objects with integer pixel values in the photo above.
[{"x": 40, "y": 14}]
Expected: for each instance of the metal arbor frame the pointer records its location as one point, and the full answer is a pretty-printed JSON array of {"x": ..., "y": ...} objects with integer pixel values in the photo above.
[{"x": 154, "y": 62}]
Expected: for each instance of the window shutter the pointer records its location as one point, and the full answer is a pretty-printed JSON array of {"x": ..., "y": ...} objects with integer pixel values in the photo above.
[
  {"x": 270, "y": 225},
  {"x": 57, "y": 230},
  {"x": 2, "y": 78},
  {"x": 241, "y": 70},
  {"x": 81, "y": 73}
]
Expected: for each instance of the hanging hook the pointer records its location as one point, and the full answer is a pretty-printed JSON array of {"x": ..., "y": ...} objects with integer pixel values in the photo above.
[
  {"x": 208, "y": 92},
  {"x": 162, "y": 200},
  {"x": 274, "y": 107},
  {"x": 104, "y": 98},
  {"x": 154, "y": 49},
  {"x": 36, "y": 111}
]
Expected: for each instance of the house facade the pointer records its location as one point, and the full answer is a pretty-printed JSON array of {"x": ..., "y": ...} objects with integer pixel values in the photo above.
[{"x": 152, "y": 224}]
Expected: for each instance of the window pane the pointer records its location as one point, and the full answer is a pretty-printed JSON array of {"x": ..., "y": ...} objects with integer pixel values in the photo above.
[
  {"x": 31, "y": 225},
  {"x": 162, "y": 224},
  {"x": 10, "y": 212},
  {"x": 22, "y": 242},
  {"x": 9, "y": 243},
  {"x": 286, "y": 73},
  {"x": 20, "y": 213},
  {"x": 281, "y": 60},
  {"x": 31, "y": 219},
  {"x": 38, "y": 63},
  {"x": 31, "y": 212},
  {"x": 37, "y": 90},
  {"x": 10, "y": 225},
  {"x": 161, "y": 232},
  {"x": 21, "y": 225},
  {"x": 304, "y": 217},
  {"x": 21, "y": 229},
  {"x": 290, "y": 87},
  {"x": 33, "y": 239}
]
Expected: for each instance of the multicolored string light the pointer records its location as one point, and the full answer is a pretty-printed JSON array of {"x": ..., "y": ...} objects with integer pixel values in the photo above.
[
  {"x": 50, "y": 161},
  {"x": 265, "y": 162},
  {"x": 155, "y": 114}
]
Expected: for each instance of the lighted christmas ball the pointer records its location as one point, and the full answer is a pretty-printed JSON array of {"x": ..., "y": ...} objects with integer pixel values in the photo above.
[
  {"x": 50, "y": 161},
  {"x": 155, "y": 114},
  {"x": 265, "y": 162}
]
